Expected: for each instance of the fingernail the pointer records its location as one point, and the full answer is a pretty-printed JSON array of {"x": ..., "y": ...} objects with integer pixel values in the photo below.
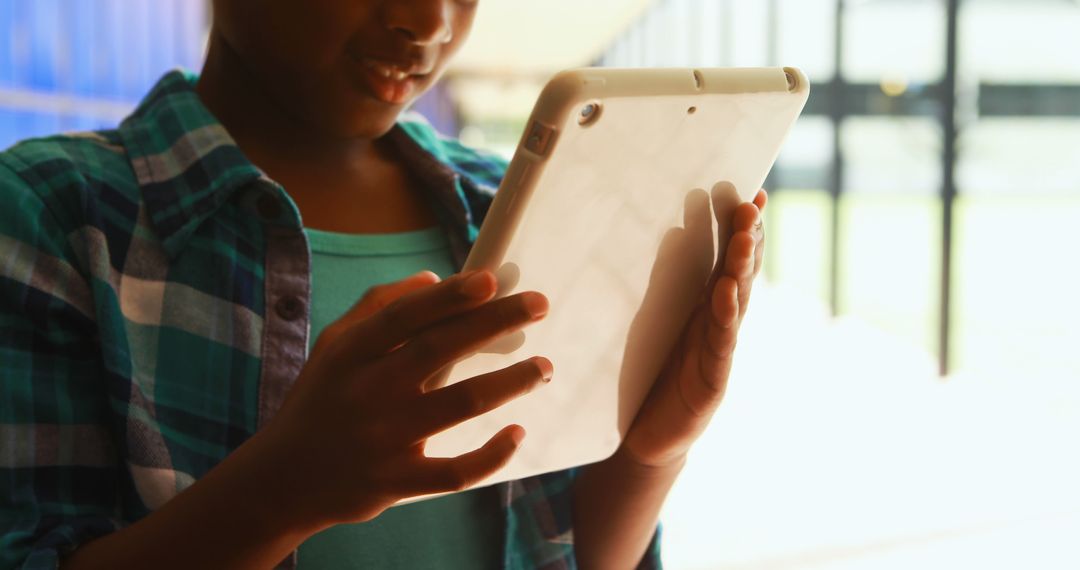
[
  {"x": 430, "y": 275},
  {"x": 477, "y": 286},
  {"x": 546, "y": 369},
  {"x": 517, "y": 435},
  {"x": 536, "y": 304}
]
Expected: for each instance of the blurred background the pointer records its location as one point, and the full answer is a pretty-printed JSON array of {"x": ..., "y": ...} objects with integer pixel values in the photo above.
[{"x": 907, "y": 393}]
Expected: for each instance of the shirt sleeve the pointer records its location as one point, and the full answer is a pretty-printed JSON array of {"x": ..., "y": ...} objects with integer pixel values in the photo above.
[
  {"x": 651, "y": 560},
  {"x": 540, "y": 530},
  {"x": 58, "y": 462}
]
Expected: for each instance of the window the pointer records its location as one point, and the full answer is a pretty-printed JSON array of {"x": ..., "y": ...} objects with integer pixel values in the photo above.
[{"x": 83, "y": 64}]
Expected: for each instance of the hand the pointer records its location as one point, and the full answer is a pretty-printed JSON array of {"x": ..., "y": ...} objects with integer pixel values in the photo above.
[
  {"x": 349, "y": 440},
  {"x": 692, "y": 383}
]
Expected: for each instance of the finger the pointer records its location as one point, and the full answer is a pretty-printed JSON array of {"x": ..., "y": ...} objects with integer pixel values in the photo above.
[
  {"x": 721, "y": 333},
  {"x": 449, "y": 406},
  {"x": 745, "y": 217},
  {"x": 739, "y": 257},
  {"x": 761, "y": 199},
  {"x": 438, "y": 475},
  {"x": 725, "y": 304},
  {"x": 759, "y": 251},
  {"x": 452, "y": 339},
  {"x": 375, "y": 299},
  {"x": 714, "y": 359},
  {"x": 379, "y": 296},
  {"x": 742, "y": 220},
  {"x": 420, "y": 308},
  {"x": 710, "y": 358},
  {"x": 740, "y": 264},
  {"x": 757, "y": 228}
]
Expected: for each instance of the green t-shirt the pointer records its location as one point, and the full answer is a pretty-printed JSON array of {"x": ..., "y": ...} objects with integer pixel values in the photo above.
[{"x": 463, "y": 530}]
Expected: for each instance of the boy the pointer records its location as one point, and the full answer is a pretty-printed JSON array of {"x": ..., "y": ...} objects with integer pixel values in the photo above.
[{"x": 164, "y": 403}]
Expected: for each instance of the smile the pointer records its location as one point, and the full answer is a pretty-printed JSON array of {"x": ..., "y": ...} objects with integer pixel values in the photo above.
[
  {"x": 389, "y": 71},
  {"x": 390, "y": 81}
]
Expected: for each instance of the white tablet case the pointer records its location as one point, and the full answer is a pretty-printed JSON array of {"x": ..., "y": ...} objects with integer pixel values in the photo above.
[{"x": 612, "y": 221}]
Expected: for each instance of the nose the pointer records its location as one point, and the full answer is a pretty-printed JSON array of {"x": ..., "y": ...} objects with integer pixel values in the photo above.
[{"x": 423, "y": 22}]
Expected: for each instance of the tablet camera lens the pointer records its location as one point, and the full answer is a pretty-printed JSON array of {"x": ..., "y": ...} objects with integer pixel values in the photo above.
[{"x": 589, "y": 113}]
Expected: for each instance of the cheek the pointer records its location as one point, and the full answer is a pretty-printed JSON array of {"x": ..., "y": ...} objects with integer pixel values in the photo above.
[
  {"x": 462, "y": 26},
  {"x": 286, "y": 37}
]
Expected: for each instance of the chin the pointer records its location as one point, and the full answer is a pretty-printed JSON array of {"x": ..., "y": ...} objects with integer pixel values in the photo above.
[
  {"x": 368, "y": 128},
  {"x": 359, "y": 123}
]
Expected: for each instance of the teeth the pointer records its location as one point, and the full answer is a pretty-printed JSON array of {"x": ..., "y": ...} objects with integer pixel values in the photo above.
[{"x": 387, "y": 71}]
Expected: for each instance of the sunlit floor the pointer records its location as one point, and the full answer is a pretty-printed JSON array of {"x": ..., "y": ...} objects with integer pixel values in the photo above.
[{"x": 838, "y": 447}]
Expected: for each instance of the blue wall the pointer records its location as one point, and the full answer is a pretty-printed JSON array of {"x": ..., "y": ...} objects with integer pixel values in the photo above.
[{"x": 95, "y": 51}]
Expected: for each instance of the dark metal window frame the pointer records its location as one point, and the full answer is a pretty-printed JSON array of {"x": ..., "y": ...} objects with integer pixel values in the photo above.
[{"x": 838, "y": 99}]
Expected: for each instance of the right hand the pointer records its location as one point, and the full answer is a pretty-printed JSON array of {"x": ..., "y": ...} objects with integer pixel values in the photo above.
[{"x": 349, "y": 440}]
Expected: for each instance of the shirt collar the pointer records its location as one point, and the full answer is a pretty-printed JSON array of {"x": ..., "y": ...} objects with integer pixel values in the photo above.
[{"x": 188, "y": 166}]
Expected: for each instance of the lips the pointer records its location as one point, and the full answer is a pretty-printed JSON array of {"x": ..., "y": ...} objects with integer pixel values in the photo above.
[
  {"x": 398, "y": 71},
  {"x": 390, "y": 81}
]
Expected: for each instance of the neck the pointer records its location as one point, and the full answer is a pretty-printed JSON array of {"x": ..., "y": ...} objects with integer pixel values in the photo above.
[
  {"x": 273, "y": 138},
  {"x": 352, "y": 185}
]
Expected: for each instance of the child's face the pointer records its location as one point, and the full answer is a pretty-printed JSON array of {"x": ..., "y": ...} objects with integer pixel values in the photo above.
[{"x": 343, "y": 67}]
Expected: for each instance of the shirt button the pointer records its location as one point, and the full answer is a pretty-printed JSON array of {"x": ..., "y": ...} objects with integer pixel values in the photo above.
[
  {"x": 268, "y": 206},
  {"x": 289, "y": 308}
]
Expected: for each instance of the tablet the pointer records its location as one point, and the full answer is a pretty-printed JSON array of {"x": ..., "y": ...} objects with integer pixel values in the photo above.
[{"x": 610, "y": 208}]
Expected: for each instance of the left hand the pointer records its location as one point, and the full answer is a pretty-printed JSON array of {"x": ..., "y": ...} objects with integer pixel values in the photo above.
[{"x": 692, "y": 383}]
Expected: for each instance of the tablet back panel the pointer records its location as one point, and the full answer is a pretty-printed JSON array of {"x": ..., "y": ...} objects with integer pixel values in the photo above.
[{"x": 615, "y": 220}]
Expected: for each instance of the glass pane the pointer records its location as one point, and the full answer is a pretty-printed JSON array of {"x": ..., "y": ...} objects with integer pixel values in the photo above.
[
  {"x": 903, "y": 39},
  {"x": 1016, "y": 307},
  {"x": 806, "y": 158},
  {"x": 1015, "y": 42},
  {"x": 887, "y": 155},
  {"x": 890, "y": 225},
  {"x": 748, "y": 35},
  {"x": 1017, "y": 280},
  {"x": 797, "y": 249},
  {"x": 799, "y": 215},
  {"x": 105, "y": 53},
  {"x": 657, "y": 37},
  {"x": 890, "y": 260},
  {"x": 711, "y": 25},
  {"x": 806, "y": 37},
  {"x": 1020, "y": 156}
]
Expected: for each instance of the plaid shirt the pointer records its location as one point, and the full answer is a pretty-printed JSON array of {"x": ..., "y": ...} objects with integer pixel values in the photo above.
[{"x": 154, "y": 291}]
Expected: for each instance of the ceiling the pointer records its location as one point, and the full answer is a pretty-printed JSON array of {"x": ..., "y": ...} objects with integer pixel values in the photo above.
[{"x": 537, "y": 37}]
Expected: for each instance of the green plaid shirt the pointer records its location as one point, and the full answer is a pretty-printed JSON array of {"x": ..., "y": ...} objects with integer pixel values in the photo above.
[{"x": 154, "y": 290}]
